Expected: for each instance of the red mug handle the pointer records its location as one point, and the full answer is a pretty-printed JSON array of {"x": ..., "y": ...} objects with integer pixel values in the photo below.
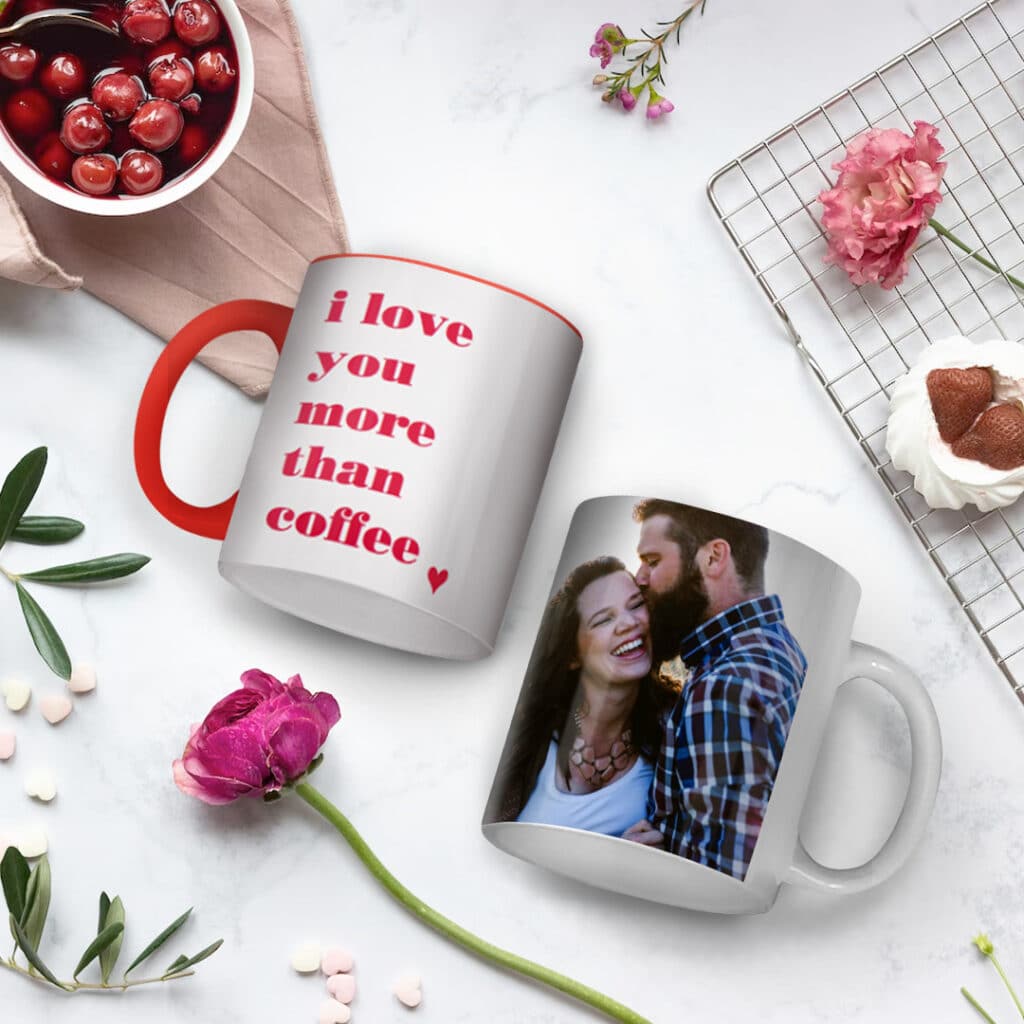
[{"x": 271, "y": 319}]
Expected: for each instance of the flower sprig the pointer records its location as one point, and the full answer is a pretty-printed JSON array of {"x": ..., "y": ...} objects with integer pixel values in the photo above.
[
  {"x": 27, "y": 894},
  {"x": 986, "y": 948},
  {"x": 18, "y": 490},
  {"x": 644, "y": 67}
]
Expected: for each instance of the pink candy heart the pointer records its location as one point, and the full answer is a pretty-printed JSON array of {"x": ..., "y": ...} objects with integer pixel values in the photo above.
[
  {"x": 7, "y": 744},
  {"x": 407, "y": 991},
  {"x": 336, "y": 961},
  {"x": 333, "y": 1012},
  {"x": 342, "y": 987}
]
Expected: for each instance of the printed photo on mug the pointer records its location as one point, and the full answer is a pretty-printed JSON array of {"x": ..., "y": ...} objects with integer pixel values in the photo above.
[
  {"x": 668, "y": 728},
  {"x": 664, "y": 683}
]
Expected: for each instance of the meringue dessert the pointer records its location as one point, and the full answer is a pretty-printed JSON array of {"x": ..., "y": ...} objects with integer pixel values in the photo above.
[{"x": 956, "y": 423}]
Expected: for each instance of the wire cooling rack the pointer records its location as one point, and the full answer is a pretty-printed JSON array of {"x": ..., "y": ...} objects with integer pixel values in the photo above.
[{"x": 968, "y": 80}]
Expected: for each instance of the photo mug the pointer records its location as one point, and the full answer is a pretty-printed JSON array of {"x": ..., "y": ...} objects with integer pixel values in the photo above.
[
  {"x": 399, "y": 457},
  {"x": 669, "y": 725}
]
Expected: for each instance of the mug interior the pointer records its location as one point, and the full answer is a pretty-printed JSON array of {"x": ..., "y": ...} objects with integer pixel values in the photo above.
[{"x": 356, "y": 611}]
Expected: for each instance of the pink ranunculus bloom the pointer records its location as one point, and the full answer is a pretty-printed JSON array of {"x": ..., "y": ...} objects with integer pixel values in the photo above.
[
  {"x": 888, "y": 188},
  {"x": 256, "y": 740}
]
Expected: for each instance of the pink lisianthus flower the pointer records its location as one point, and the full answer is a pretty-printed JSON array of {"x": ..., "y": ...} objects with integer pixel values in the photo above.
[
  {"x": 256, "y": 740},
  {"x": 888, "y": 188}
]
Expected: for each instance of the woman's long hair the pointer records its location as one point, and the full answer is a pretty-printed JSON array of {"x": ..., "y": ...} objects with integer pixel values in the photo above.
[{"x": 548, "y": 696}]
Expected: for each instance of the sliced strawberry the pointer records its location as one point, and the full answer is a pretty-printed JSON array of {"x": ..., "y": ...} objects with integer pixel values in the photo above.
[
  {"x": 997, "y": 439},
  {"x": 958, "y": 398}
]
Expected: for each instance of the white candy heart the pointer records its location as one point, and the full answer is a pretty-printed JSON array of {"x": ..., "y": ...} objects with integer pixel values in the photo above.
[
  {"x": 16, "y": 693},
  {"x": 31, "y": 841},
  {"x": 333, "y": 1012},
  {"x": 83, "y": 679},
  {"x": 306, "y": 959},
  {"x": 41, "y": 784},
  {"x": 342, "y": 987},
  {"x": 336, "y": 961},
  {"x": 55, "y": 707},
  {"x": 7, "y": 744},
  {"x": 407, "y": 991}
]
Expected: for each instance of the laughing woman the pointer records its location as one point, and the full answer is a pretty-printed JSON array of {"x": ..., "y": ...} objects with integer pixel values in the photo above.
[{"x": 588, "y": 725}]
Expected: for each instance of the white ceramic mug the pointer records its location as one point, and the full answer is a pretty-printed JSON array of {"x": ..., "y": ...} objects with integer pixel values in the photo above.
[
  {"x": 400, "y": 455},
  {"x": 709, "y": 756}
]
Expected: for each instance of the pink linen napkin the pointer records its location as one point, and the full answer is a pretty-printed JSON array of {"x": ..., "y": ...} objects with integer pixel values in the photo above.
[{"x": 250, "y": 232}]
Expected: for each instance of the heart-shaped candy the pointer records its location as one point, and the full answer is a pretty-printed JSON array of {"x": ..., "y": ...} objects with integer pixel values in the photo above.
[
  {"x": 958, "y": 398},
  {"x": 336, "y": 961},
  {"x": 997, "y": 439},
  {"x": 7, "y": 745},
  {"x": 41, "y": 785},
  {"x": 83, "y": 679},
  {"x": 342, "y": 987},
  {"x": 55, "y": 707},
  {"x": 306, "y": 959},
  {"x": 16, "y": 693},
  {"x": 408, "y": 991},
  {"x": 333, "y": 1012}
]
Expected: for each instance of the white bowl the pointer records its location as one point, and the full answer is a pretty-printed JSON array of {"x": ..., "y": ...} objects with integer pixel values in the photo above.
[{"x": 22, "y": 168}]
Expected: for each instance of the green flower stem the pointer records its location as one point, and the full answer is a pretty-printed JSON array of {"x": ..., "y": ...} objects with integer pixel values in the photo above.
[
  {"x": 1006, "y": 981},
  {"x": 974, "y": 1002},
  {"x": 450, "y": 929},
  {"x": 975, "y": 255},
  {"x": 86, "y": 986}
]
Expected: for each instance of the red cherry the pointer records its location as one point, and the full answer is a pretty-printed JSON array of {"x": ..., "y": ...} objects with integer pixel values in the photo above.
[
  {"x": 28, "y": 113},
  {"x": 18, "y": 63},
  {"x": 52, "y": 157},
  {"x": 118, "y": 95},
  {"x": 141, "y": 172},
  {"x": 192, "y": 104},
  {"x": 95, "y": 175},
  {"x": 63, "y": 77},
  {"x": 170, "y": 48},
  {"x": 196, "y": 22},
  {"x": 214, "y": 70},
  {"x": 84, "y": 130},
  {"x": 193, "y": 145},
  {"x": 157, "y": 125},
  {"x": 171, "y": 78},
  {"x": 146, "y": 21}
]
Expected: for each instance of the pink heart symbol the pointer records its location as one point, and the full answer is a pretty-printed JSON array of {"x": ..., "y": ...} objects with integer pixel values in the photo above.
[{"x": 437, "y": 578}]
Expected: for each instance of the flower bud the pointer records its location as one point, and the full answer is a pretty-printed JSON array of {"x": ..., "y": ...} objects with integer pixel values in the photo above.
[
  {"x": 984, "y": 944},
  {"x": 600, "y": 79}
]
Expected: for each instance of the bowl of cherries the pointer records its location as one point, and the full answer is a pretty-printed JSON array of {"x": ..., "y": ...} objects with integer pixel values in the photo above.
[{"x": 125, "y": 123}]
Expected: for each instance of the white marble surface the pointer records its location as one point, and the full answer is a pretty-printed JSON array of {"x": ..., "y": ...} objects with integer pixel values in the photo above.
[{"x": 468, "y": 135}]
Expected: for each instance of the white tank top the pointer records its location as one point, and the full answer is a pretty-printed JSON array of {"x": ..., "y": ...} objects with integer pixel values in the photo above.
[{"x": 610, "y": 810}]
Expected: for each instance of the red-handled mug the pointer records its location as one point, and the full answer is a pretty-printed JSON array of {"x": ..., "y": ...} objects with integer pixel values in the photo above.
[{"x": 400, "y": 455}]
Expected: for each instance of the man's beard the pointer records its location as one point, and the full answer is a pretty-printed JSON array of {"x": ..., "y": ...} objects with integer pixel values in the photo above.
[{"x": 677, "y": 613}]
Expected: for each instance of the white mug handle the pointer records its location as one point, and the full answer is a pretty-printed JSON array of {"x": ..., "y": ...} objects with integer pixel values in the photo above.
[{"x": 925, "y": 765}]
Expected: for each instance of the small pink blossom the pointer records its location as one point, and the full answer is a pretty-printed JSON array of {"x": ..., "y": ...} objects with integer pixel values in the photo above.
[
  {"x": 603, "y": 50},
  {"x": 627, "y": 99},
  {"x": 609, "y": 32},
  {"x": 888, "y": 188},
  {"x": 661, "y": 106}
]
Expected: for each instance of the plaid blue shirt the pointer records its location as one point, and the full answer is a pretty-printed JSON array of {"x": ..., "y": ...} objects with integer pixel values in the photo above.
[{"x": 725, "y": 736}]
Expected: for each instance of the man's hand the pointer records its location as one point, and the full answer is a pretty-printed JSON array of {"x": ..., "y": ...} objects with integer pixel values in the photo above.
[{"x": 645, "y": 833}]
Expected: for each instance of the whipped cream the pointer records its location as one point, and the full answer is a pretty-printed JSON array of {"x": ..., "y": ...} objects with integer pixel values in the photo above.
[{"x": 913, "y": 441}]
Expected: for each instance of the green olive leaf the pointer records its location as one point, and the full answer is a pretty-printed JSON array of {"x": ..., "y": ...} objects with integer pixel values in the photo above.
[
  {"x": 184, "y": 963},
  {"x": 158, "y": 941},
  {"x": 14, "y": 874},
  {"x": 98, "y": 945},
  {"x": 95, "y": 570},
  {"x": 37, "y": 903},
  {"x": 19, "y": 488},
  {"x": 104, "y": 907},
  {"x": 46, "y": 529},
  {"x": 108, "y": 958},
  {"x": 46, "y": 638},
  {"x": 31, "y": 955}
]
